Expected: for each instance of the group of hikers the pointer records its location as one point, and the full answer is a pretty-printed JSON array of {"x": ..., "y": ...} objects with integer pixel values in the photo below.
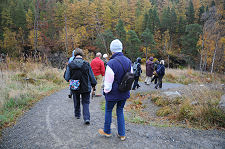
[{"x": 84, "y": 77}]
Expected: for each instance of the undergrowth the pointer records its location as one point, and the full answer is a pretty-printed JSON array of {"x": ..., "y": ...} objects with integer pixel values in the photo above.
[{"x": 24, "y": 85}]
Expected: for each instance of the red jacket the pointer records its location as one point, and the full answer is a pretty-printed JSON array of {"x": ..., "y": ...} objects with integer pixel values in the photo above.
[{"x": 98, "y": 66}]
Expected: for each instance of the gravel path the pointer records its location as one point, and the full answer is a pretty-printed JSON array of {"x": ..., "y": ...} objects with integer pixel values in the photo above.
[{"x": 51, "y": 124}]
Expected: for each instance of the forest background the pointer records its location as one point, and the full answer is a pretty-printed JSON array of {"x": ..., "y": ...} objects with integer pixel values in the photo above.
[{"x": 183, "y": 32}]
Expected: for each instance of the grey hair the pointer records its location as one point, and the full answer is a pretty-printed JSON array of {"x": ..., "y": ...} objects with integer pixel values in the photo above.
[
  {"x": 98, "y": 54},
  {"x": 162, "y": 62}
]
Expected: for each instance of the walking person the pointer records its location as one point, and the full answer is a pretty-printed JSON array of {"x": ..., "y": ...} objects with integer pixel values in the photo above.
[
  {"x": 70, "y": 60},
  {"x": 149, "y": 70},
  {"x": 155, "y": 76},
  {"x": 105, "y": 59},
  {"x": 160, "y": 72},
  {"x": 82, "y": 79},
  {"x": 113, "y": 96},
  {"x": 137, "y": 72},
  {"x": 98, "y": 68}
]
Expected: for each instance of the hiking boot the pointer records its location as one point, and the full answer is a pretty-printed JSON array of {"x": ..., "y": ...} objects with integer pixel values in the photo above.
[
  {"x": 101, "y": 132},
  {"x": 77, "y": 117},
  {"x": 70, "y": 96},
  {"x": 122, "y": 138},
  {"x": 87, "y": 122},
  {"x": 156, "y": 87}
]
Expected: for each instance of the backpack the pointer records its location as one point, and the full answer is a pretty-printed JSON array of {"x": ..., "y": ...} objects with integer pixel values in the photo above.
[
  {"x": 75, "y": 83},
  {"x": 160, "y": 70},
  {"x": 135, "y": 69},
  {"x": 127, "y": 80}
]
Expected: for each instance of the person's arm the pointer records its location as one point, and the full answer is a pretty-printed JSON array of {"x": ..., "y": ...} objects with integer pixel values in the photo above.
[
  {"x": 109, "y": 78},
  {"x": 67, "y": 75},
  {"x": 102, "y": 68},
  {"x": 92, "y": 77}
]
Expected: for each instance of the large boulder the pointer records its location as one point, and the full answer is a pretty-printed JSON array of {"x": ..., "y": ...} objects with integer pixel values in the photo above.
[{"x": 222, "y": 103}]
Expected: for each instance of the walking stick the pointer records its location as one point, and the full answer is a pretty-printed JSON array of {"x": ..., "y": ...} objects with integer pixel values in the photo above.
[{"x": 93, "y": 92}]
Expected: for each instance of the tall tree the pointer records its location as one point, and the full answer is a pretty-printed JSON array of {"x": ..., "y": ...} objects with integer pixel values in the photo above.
[
  {"x": 189, "y": 42},
  {"x": 147, "y": 40},
  {"x": 190, "y": 13},
  {"x": 120, "y": 31},
  {"x": 133, "y": 45}
]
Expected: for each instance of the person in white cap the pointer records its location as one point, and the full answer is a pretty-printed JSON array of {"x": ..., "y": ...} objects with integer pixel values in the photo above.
[{"x": 115, "y": 70}]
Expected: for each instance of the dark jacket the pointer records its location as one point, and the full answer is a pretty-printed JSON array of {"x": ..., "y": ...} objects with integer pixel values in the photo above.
[
  {"x": 115, "y": 94},
  {"x": 149, "y": 67},
  {"x": 139, "y": 71},
  {"x": 81, "y": 69},
  {"x": 160, "y": 70}
]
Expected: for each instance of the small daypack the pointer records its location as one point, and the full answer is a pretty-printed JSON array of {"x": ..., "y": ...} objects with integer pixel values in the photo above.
[
  {"x": 160, "y": 71},
  {"x": 127, "y": 80},
  {"x": 135, "y": 69}
]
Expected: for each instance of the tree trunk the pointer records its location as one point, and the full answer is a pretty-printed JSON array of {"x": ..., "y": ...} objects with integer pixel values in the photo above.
[
  {"x": 168, "y": 61},
  {"x": 201, "y": 60},
  {"x": 146, "y": 54},
  {"x": 66, "y": 43},
  {"x": 214, "y": 55},
  {"x": 36, "y": 26}
]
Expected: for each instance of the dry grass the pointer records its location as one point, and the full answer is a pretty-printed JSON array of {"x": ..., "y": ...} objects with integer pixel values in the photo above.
[
  {"x": 23, "y": 84},
  {"x": 188, "y": 76},
  {"x": 198, "y": 107}
]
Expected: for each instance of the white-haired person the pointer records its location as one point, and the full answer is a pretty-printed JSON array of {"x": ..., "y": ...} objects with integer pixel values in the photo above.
[
  {"x": 98, "y": 68},
  {"x": 160, "y": 72},
  {"x": 105, "y": 59}
]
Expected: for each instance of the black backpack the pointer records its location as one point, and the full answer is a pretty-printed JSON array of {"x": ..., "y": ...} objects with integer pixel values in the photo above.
[{"x": 127, "y": 80}]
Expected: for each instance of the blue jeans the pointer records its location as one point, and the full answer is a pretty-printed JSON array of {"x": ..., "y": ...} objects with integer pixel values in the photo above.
[
  {"x": 85, "y": 104},
  {"x": 120, "y": 116}
]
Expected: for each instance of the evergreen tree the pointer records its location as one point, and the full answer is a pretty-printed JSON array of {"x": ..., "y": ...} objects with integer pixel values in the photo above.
[
  {"x": 145, "y": 23},
  {"x": 147, "y": 40},
  {"x": 190, "y": 13},
  {"x": 165, "y": 21},
  {"x": 108, "y": 37},
  {"x": 173, "y": 22},
  {"x": 154, "y": 22},
  {"x": 200, "y": 12},
  {"x": 120, "y": 31},
  {"x": 181, "y": 26},
  {"x": 20, "y": 15},
  {"x": 213, "y": 3},
  {"x": 133, "y": 45},
  {"x": 189, "y": 43}
]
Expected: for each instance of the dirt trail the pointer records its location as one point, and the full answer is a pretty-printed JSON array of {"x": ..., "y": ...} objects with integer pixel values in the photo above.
[{"x": 51, "y": 124}]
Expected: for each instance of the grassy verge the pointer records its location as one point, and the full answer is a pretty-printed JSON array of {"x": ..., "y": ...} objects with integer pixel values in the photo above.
[
  {"x": 188, "y": 76},
  {"x": 196, "y": 108},
  {"x": 24, "y": 85}
]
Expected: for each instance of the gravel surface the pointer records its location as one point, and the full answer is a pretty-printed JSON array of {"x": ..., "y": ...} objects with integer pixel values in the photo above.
[{"x": 51, "y": 124}]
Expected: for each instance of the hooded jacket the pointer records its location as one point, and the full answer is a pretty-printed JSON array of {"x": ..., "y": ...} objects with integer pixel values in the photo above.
[
  {"x": 78, "y": 69},
  {"x": 71, "y": 58},
  {"x": 149, "y": 67},
  {"x": 138, "y": 62}
]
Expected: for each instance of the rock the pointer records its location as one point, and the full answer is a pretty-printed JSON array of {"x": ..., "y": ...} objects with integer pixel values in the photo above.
[
  {"x": 172, "y": 94},
  {"x": 194, "y": 103},
  {"x": 222, "y": 103}
]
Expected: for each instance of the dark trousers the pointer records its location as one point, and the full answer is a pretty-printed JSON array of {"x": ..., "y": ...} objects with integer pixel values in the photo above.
[
  {"x": 85, "y": 103},
  {"x": 154, "y": 78},
  {"x": 159, "y": 84},
  {"x": 136, "y": 82}
]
